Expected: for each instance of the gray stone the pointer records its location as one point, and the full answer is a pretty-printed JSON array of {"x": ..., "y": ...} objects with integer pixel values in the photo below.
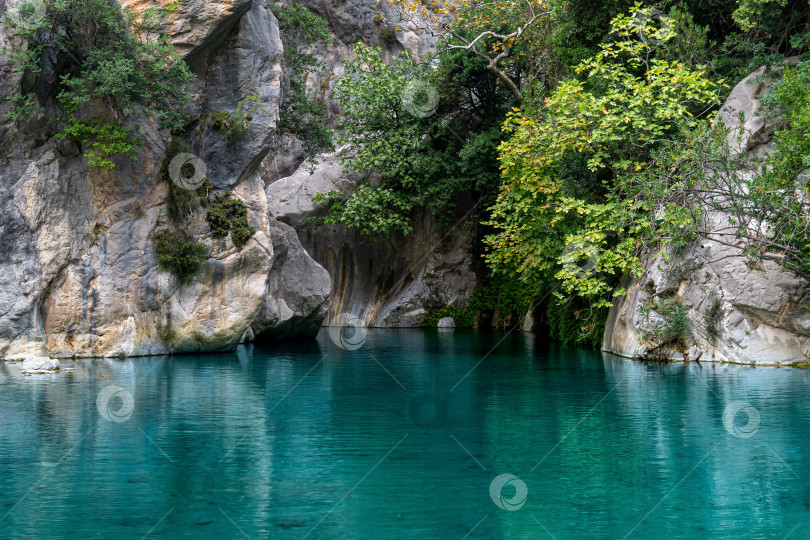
[
  {"x": 297, "y": 290},
  {"x": 393, "y": 282},
  {"x": 528, "y": 322},
  {"x": 755, "y": 131},
  {"x": 764, "y": 318},
  {"x": 246, "y": 65},
  {"x": 199, "y": 25},
  {"x": 78, "y": 272},
  {"x": 34, "y": 364},
  {"x": 446, "y": 322},
  {"x": 248, "y": 336}
]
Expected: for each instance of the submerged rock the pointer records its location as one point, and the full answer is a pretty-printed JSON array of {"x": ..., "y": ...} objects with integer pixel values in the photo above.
[{"x": 35, "y": 364}]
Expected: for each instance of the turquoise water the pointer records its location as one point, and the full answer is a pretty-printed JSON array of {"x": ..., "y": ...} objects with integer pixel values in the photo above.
[{"x": 402, "y": 439}]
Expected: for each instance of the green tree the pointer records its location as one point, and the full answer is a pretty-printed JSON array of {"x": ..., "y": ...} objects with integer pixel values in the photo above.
[
  {"x": 399, "y": 146},
  {"x": 630, "y": 101},
  {"x": 109, "y": 62}
]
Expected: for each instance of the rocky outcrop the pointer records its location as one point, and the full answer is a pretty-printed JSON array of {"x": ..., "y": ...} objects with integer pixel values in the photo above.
[
  {"x": 78, "y": 271},
  {"x": 297, "y": 291},
  {"x": 390, "y": 282},
  {"x": 39, "y": 364},
  {"x": 743, "y": 104},
  {"x": 241, "y": 69},
  {"x": 738, "y": 313},
  {"x": 199, "y": 24},
  {"x": 446, "y": 322}
]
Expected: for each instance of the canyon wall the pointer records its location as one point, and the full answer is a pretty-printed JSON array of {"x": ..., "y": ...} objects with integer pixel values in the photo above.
[{"x": 78, "y": 270}]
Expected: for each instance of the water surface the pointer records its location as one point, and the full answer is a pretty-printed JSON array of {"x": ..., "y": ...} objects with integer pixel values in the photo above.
[{"x": 402, "y": 439}]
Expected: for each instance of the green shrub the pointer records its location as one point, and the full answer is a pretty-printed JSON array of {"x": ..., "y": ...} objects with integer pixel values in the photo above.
[
  {"x": 229, "y": 214},
  {"x": 300, "y": 115},
  {"x": 226, "y": 123},
  {"x": 576, "y": 322},
  {"x": 464, "y": 318},
  {"x": 181, "y": 202},
  {"x": 388, "y": 35},
  {"x": 107, "y": 57},
  {"x": 498, "y": 293},
  {"x": 179, "y": 254},
  {"x": 305, "y": 25},
  {"x": 674, "y": 330},
  {"x": 235, "y": 126},
  {"x": 104, "y": 140}
]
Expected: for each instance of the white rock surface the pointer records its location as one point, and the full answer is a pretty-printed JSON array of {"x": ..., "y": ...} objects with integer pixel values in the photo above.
[
  {"x": 765, "y": 310},
  {"x": 78, "y": 272},
  {"x": 528, "y": 322},
  {"x": 446, "y": 322},
  {"x": 394, "y": 282},
  {"x": 34, "y": 364}
]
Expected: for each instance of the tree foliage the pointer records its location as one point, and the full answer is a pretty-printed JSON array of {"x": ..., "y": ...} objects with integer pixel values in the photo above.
[
  {"x": 630, "y": 102},
  {"x": 415, "y": 145},
  {"x": 300, "y": 114},
  {"x": 504, "y": 34},
  {"x": 108, "y": 63},
  {"x": 608, "y": 155}
]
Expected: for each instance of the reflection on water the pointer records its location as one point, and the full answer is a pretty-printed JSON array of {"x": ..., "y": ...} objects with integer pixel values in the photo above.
[{"x": 403, "y": 438}]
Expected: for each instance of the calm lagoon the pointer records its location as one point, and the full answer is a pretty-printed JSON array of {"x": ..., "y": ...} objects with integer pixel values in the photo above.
[{"x": 406, "y": 437}]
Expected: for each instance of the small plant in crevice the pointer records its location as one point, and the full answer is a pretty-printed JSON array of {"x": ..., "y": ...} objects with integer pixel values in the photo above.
[
  {"x": 299, "y": 114},
  {"x": 205, "y": 189},
  {"x": 712, "y": 318},
  {"x": 179, "y": 253},
  {"x": 673, "y": 329},
  {"x": 227, "y": 213},
  {"x": 181, "y": 202},
  {"x": 388, "y": 35},
  {"x": 235, "y": 125}
]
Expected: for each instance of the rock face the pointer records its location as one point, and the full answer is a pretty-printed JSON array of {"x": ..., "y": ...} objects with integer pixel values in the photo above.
[
  {"x": 78, "y": 271},
  {"x": 393, "y": 282},
  {"x": 761, "y": 314},
  {"x": 446, "y": 322},
  {"x": 744, "y": 101},
  {"x": 241, "y": 67},
  {"x": 297, "y": 291}
]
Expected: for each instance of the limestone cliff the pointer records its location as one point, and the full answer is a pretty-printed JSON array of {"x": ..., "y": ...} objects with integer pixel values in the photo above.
[
  {"x": 384, "y": 282},
  {"x": 387, "y": 281},
  {"x": 761, "y": 314},
  {"x": 78, "y": 271}
]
